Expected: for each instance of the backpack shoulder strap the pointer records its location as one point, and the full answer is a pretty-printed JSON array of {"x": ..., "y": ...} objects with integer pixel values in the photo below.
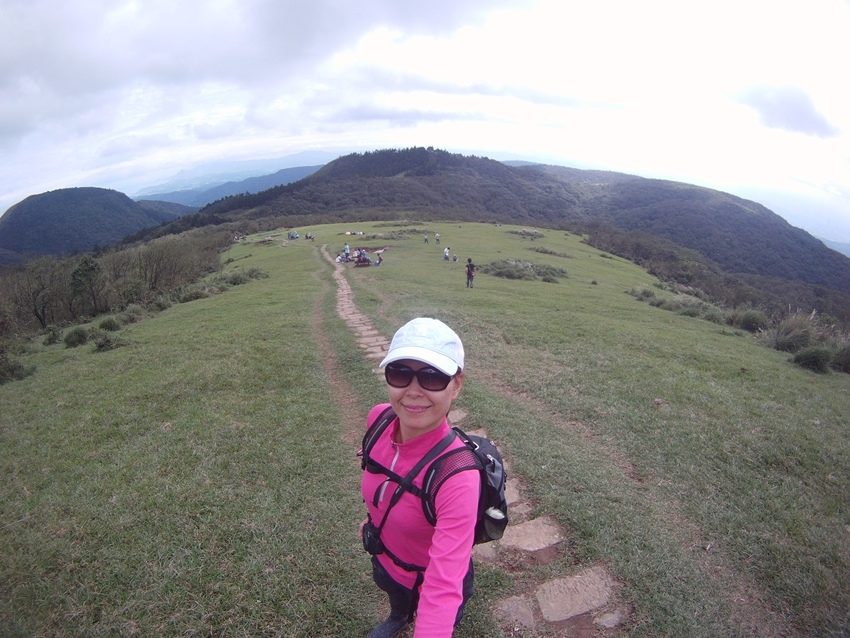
[
  {"x": 460, "y": 459},
  {"x": 373, "y": 432}
]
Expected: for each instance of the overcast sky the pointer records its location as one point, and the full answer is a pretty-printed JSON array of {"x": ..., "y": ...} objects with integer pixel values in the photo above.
[{"x": 747, "y": 96}]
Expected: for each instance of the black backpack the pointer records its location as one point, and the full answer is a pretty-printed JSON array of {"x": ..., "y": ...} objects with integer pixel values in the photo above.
[{"x": 477, "y": 453}]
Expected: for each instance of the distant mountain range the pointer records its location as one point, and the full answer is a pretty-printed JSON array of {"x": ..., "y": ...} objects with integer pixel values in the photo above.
[
  {"x": 740, "y": 236},
  {"x": 730, "y": 234},
  {"x": 198, "y": 197}
]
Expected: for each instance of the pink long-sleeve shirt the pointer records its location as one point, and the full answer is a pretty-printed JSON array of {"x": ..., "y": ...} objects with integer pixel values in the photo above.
[{"x": 445, "y": 549}]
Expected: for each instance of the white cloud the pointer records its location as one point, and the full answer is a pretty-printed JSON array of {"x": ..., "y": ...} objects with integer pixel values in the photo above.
[{"x": 728, "y": 94}]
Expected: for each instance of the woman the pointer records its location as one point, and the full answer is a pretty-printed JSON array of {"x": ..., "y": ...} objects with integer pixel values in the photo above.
[{"x": 425, "y": 570}]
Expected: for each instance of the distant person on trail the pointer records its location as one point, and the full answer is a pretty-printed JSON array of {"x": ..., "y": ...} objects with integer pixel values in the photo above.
[
  {"x": 347, "y": 251},
  {"x": 446, "y": 254},
  {"x": 426, "y": 570},
  {"x": 426, "y": 238},
  {"x": 470, "y": 272},
  {"x": 437, "y": 238}
]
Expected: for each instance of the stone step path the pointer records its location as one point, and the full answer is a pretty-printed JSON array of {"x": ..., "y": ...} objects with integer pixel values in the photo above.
[{"x": 582, "y": 604}]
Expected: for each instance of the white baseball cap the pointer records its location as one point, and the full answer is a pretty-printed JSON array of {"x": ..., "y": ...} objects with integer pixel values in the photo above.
[{"x": 429, "y": 341}]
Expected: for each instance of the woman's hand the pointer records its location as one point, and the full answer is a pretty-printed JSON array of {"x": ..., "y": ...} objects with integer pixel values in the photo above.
[{"x": 360, "y": 529}]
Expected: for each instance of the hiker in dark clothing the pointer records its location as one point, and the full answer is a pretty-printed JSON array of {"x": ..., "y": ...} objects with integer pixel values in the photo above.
[{"x": 470, "y": 272}]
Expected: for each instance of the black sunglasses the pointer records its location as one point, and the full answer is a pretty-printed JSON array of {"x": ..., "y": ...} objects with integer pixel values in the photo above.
[{"x": 400, "y": 376}]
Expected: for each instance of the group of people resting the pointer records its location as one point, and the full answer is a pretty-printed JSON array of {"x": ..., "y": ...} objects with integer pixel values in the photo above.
[{"x": 359, "y": 256}]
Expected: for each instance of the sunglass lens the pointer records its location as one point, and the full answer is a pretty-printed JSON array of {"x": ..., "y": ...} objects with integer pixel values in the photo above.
[
  {"x": 398, "y": 376},
  {"x": 431, "y": 379}
]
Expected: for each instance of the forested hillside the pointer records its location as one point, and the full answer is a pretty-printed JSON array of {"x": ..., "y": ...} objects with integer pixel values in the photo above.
[{"x": 76, "y": 219}]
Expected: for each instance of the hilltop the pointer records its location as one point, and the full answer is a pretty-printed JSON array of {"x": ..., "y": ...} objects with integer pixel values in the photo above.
[
  {"x": 738, "y": 235},
  {"x": 76, "y": 220}
]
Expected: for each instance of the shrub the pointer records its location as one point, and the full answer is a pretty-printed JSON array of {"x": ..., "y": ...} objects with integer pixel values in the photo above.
[
  {"x": 549, "y": 251},
  {"x": 257, "y": 273},
  {"x": 841, "y": 360},
  {"x": 11, "y": 370},
  {"x": 110, "y": 324},
  {"x": 53, "y": 336},
  {"x": 161, "y": 303},
  {"x": 75, "y": 337},
  {"x": 714, "y": 315},
  {"x": 642, "y": 292},
  {"x": 689, "y": 311},
  {"x": 192, "y": 295},
  {"x": 815, "y": 358},
  {"x": 527, "y": 233},
  {"x": 525, "y": 270},
  {"x": 132, "y": 314},
  {"x": 752, "y": 320},
  {"x": 103, "y": 341}
]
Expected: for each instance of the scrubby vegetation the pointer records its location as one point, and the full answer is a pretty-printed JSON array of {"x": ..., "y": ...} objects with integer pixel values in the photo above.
[
  {"x": 815, "y": 358},
  {"x": 548, "y": 251},
  {"x": 815, "y": 342},
  {"x": 520, "y": 269},
  {"x": 11, "y": 370},
  {"x": 527, "y": 233},
  {"x": 110, "y": 324},
  {"x": 76, "y": 337}
]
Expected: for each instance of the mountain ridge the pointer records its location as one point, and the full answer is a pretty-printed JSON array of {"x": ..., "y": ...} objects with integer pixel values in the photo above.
[
  {"x": 740, "y": 235},
  {"x": 198, "y": 197}
]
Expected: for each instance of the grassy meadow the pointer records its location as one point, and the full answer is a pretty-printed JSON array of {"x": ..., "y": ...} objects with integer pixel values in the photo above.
[{"x": 201, "y": 480}]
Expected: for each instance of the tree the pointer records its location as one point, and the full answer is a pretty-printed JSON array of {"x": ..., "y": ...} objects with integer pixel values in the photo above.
[
  {"x": 87, "y": 282},
  {"x": 36, "y": 288}
]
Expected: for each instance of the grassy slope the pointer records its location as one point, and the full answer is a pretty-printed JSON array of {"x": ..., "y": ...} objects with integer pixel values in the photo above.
[{"x": 199, "y": 481}]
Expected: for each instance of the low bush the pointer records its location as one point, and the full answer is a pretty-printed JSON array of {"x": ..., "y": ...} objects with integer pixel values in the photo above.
[
  {"x": 110, "y": 324},
  {"x": 160, "y": 303},
  {"x": 193, "y": 295},
  {"x": 549, "y": 251},
  {"x": 103, "y": 341},
  {"x": 751, "y": 320},
  {"x": 689, "y": 311},
  {"x": 792, "y": 334},
  {"x": 527, "y": 233},
  {"x": 131, "y": 314},
  {"x": 76, "y": 337},
  {"x": 815, "y": 358},
  {"x": 714, "y": 315},
  {"x": 841, "y": 360},
  {"x": 53, "y": 336},
  {"x": 11, "y": 370},
  {"x": 524, "y": 270},
  {"x": 642, "y": 293},
  {"x": 257, "y": 273}
]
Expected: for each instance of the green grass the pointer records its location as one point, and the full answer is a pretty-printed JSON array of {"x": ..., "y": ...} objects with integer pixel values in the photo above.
[{"x": 201, "y": 479}]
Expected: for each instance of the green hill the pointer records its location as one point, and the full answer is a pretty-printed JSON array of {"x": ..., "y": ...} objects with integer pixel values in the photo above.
[
  {"x": 202, "y": 478},
  {"x": 740, "y": 236},
  {"x": 76, "y": 220}
]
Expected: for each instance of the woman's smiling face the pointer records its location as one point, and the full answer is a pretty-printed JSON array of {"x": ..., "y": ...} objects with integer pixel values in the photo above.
[{"x": 421, "y": 411}]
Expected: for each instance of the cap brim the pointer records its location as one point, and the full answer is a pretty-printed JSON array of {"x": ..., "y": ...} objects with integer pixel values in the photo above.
[{"x": 439, "y": 361}]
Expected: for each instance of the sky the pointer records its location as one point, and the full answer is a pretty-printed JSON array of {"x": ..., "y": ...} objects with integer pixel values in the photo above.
[{"x": 745, "y": 96}]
